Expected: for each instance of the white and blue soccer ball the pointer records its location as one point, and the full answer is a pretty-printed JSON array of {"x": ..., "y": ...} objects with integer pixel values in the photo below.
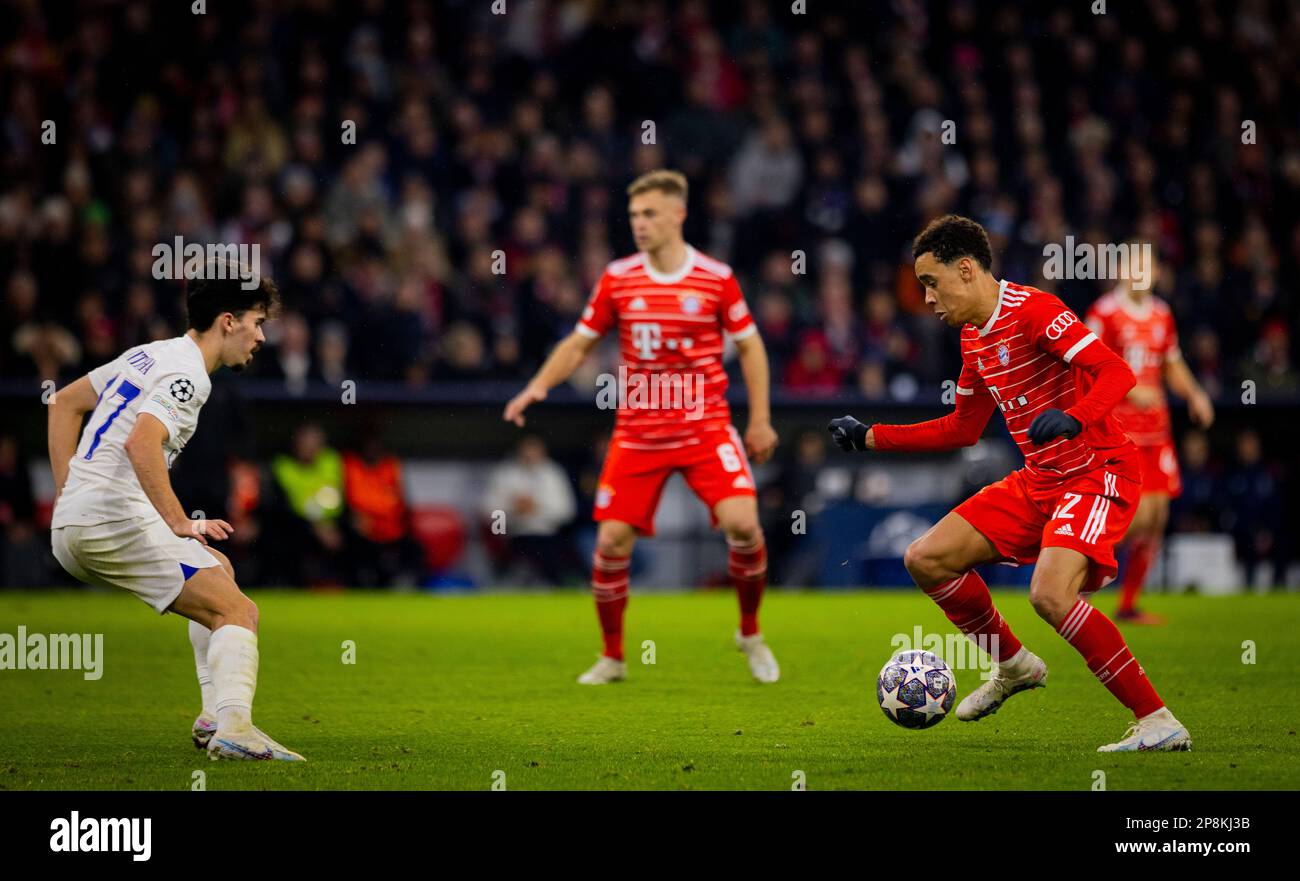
[{"x": 916, "y": 689}]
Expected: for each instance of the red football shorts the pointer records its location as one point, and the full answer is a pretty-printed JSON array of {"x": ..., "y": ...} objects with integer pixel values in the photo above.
[
  {"x": 633, "y": 479},
  {"x": 1160, "y": 469},
  {"x": 1087, "y": 512}
]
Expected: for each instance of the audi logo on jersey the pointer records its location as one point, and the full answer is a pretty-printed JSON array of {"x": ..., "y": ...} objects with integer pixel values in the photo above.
[{"x": 1060, "y": 323}]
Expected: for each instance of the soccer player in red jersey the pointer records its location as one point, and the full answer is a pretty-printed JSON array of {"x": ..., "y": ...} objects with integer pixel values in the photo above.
[
  {"x": 1140, "y": 327},
  {"x": 672, "y": 306},
  {"x": 1025, "y": 353}
]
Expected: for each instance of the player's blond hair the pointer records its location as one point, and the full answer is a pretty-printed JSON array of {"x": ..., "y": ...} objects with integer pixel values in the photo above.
[{"x": 665, "y": 180}]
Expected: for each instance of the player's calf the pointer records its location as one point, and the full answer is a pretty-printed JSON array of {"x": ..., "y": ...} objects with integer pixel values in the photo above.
[{"x": 1054, "y": 589}]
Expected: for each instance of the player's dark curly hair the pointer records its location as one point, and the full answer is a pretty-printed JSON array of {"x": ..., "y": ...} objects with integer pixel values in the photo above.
[
  {"x": 952, "y": 236},
  {"x": 218, "y": 292}
]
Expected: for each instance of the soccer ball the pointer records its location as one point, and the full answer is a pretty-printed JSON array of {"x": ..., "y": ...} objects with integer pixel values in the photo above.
[{"x": 916, "y": 689}]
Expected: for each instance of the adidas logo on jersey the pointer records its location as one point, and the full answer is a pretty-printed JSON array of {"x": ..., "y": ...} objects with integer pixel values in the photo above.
[
  {"x": 742, "y": 482},
  {"x": 1064, "y": 530},
  {"x": 638, "y": 303}
]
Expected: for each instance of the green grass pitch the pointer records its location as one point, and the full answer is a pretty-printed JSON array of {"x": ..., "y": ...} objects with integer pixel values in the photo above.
[{"x": 446, "y": 691}]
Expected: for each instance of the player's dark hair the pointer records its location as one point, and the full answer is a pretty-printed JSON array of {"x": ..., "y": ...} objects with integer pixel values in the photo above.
[
  {"x": 952, "y": 237},
  {"x": 219, "y": 292}
]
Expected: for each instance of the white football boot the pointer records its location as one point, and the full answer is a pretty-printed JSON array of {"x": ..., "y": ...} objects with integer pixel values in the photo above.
[
  {"x": 204, "y": 727},
  {"x": 1020, "y": 673},
  {"x": 604, "y": 671},
  {"x": 249, "y": 744},
  {"x": 1156, "y": 731},
  {"x": 762, "y": 663}
]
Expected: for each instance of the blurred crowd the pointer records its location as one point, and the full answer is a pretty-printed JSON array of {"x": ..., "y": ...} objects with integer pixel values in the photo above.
[
  {"x": 436, "y": 188},
  {"x": 347, "y": 516}
]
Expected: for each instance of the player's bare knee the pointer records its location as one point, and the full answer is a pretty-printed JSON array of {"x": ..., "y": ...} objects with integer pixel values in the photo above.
[
  {"x": 923, "y": 564},
  {"x": 1050, "y": 602},
  {"x": 236, "y": 609},
  {"x": 1143, "y": 521},
  {"x": 247, "y": 612},
  {"x": 615, "y": 541},
  {"x": 1160, "y": 520},
  {"x": 743, "y": 530}
]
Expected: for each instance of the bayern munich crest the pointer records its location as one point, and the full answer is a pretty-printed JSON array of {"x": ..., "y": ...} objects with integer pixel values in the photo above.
[
  {"x": 1004, "y": 355},
  {"x": 690, "y": 305}
]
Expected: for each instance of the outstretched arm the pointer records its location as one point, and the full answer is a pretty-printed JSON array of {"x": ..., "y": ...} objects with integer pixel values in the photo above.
[
  {"x": 559, "y": 366},
  {"x": 960, "y": 428}
]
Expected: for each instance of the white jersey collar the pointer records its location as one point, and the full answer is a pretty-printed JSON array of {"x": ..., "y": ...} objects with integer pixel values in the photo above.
[
  {"x": 997, "y": 310},
  {"x": 677, "y": 274}
]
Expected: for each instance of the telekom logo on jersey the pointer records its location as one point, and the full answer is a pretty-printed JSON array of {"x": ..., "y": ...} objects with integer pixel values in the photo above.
[{"x": 647, "y": 338}]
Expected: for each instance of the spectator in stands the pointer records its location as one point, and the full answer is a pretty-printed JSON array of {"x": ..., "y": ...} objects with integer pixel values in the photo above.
[
  {"x": 23, "y": 549},
  {"x": 531, "y": 496},
  {"x": 792, "y": 501},
  {"x": 814, "y": 370},
  {"x": 1253, "y": 509},
  {"x": 1197, "y": 508},
  {"x": 290, "y": 359},
  {"x": 384, "y": 551},
  {"x": 310, "y": 516},
  {"x": 804, "y": 132},
  {"x": 1268, "y": 366}
]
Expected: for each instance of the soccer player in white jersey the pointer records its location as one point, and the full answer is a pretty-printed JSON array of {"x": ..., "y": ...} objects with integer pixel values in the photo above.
[{"x": 117, "y": 521}]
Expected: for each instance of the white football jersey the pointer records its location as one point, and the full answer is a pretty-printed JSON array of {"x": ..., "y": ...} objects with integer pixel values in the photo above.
[{"x": 166, "y": 379}]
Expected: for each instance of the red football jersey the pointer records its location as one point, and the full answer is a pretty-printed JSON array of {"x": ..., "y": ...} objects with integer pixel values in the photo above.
[
  {"x": 671, "y": 336},
  {"x": 1032, "y": 355},
  {"x": 1144, "y": 335}
]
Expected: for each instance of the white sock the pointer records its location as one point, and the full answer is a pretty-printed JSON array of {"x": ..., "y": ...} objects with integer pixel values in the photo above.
[
  {"x": 199, "y": 638},
  {"x": 1012, "y": 664},
  {"x": 232, "y": 657},
  {"x": 1162, "y": 714}
]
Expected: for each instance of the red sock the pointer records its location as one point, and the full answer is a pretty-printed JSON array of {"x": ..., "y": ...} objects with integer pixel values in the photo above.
[
  {"x": 1141, "y": 552},
  {"x": 1096, "y": 637},
  {"x": 967, "y": 603},
  {"x": 609, "y": 580},
  {"x": 747, "y": 566}
]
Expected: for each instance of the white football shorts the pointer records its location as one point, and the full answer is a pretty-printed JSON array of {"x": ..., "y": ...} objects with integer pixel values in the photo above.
[{"x": 140, "y": 555}]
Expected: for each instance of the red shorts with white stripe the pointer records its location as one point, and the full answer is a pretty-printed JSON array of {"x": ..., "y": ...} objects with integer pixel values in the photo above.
[
  {"x": 1160, "y": 470},
  {"x": 1088, "y": 512},
  {"x": 632, "y": 481}
]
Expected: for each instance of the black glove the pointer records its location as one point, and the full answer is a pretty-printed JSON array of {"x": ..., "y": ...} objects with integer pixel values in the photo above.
[
  {"x": 849, "y": 434},
  {"x": 1051, "y": 424}
]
